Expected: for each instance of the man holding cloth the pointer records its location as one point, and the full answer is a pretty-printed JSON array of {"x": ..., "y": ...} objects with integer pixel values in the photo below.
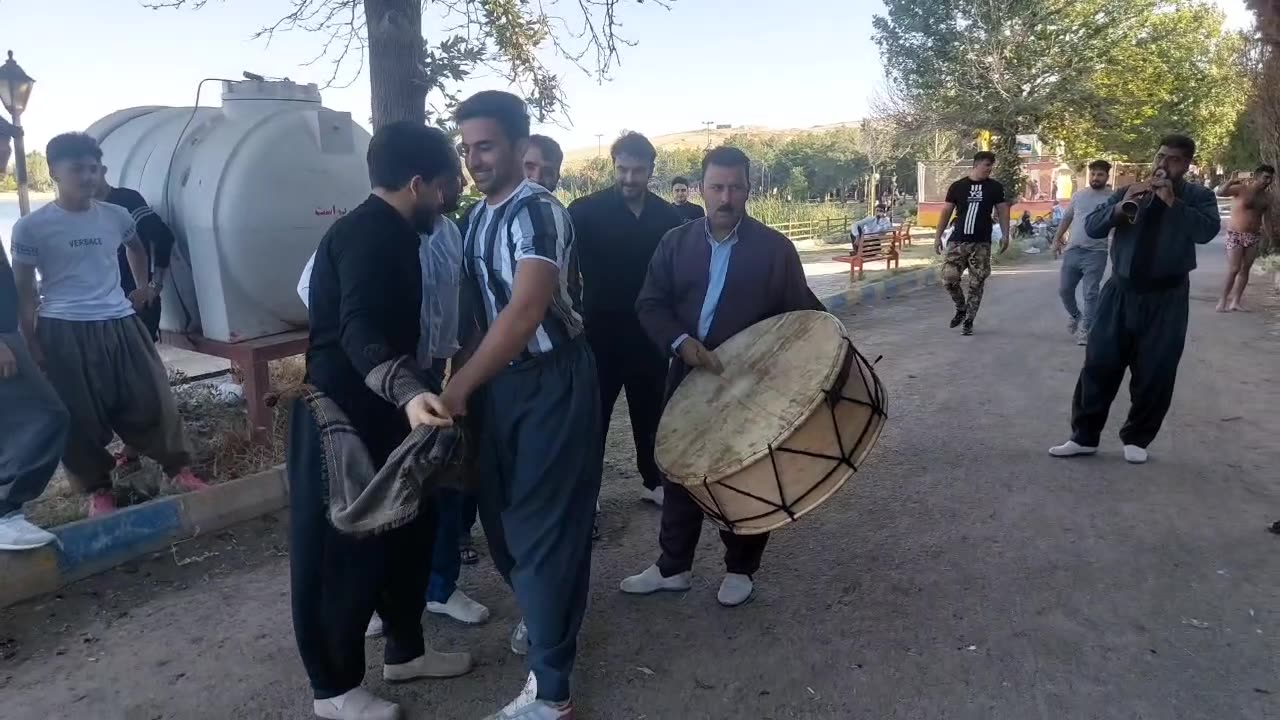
[
  {"x": 1141, "y": 325},
  {"x": 708, "y": 281}
]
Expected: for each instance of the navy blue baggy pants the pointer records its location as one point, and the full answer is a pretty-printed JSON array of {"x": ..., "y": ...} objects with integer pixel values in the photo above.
[{"x": 540, "y": 460}]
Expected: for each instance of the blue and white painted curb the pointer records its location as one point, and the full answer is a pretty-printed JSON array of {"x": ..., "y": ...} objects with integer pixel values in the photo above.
[
  {"x": 87, "y": 547},
  {"x": 883, "y": 289}
]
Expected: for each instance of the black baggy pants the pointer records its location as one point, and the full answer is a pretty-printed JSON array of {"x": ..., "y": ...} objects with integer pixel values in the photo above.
[
  {"x": 338, "y": 581},
  {"x": 681, "y": 528},
  {"x": 1143, "y": 332},
  {"x": 540, "y": 460},
  {"x": 628, "y": 360}
]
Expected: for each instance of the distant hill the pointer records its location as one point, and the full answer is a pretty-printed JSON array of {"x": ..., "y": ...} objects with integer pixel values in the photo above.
[{"x": 697, "y": 139}]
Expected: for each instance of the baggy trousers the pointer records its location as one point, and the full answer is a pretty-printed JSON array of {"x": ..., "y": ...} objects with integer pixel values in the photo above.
[
  {"x": 110, "y": 376},
  {"x": 632, "y": 364},
  {"x": 33, "y": 430},
  {"x": 1143, "y": 332},
  {"x": 1080, "y": 264},
  {"x": 338, "y": 581},
  {"x": 539, "y": 476},
  {"x": 455, "y": 514}
]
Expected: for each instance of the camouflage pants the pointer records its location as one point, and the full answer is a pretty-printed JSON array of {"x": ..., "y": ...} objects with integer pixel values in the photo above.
[{"x": 976, "y": 258}]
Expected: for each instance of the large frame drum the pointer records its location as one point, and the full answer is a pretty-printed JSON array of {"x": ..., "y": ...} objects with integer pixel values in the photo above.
[{"x": 785, "y": 425}]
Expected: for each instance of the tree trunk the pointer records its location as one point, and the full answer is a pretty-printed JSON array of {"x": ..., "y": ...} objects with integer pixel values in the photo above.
[
  {"x": 395, "y": 61},
  {"x": 1008, "y": 164},
  {"x": 1266, "y": 122}
]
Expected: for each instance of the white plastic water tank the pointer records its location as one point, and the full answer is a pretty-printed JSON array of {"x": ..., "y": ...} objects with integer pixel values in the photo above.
[{"x": 249, "y": 192}]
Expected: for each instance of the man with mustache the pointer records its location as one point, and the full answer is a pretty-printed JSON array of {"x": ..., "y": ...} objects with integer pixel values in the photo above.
[
  {"x": 1085, "y": 258},
  {"x": 1141, "y": 323},
  {"x": 365, "y": 299},
  {"x": 618, "y": 230},
  {"x": 709, "y": 280},
  {"x": 528, "y": 383}
]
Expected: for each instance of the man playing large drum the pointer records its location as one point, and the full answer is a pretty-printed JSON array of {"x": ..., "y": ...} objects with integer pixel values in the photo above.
[{"x": 708, "y": 281}]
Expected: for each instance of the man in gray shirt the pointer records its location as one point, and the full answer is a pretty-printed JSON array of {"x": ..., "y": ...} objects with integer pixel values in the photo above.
[{"x": 1085, "y": 257}]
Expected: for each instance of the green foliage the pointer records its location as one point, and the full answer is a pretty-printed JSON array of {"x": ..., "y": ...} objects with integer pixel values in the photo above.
[
  {"x": 1180, "y": 72},
  {"x": 38, "y": 178}
]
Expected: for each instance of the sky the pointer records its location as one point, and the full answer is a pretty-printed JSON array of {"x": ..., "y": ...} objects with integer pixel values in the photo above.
[{"x": 774, "y": 63}]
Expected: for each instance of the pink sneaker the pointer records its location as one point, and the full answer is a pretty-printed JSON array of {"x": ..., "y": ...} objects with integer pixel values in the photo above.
[
  {"x": 101, "y": 503},
  {"x": 187, "y": 481}
]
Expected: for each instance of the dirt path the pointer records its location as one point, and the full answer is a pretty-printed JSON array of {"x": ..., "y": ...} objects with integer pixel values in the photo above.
[{"x": 964, "y": 575}]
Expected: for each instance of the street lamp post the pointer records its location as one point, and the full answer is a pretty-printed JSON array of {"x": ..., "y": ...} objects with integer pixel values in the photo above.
[{"x": 15, "y": 90}]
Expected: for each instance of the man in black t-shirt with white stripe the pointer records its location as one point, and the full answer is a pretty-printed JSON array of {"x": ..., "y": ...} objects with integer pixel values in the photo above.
[{"x": 972, "y": 199}]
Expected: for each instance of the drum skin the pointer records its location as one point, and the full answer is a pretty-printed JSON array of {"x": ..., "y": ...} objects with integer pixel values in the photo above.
[{"x": 794, "y": 413}]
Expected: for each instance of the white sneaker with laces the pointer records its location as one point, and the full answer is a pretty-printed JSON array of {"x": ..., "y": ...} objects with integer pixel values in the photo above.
[
  {"x": 655, "y": 496},
  {"x": 527, "y": 706},
  {"x": 1135, "y": 454},
  {"x": 17, "y": 533},
  {"x": 735, "y": 590},
  {"x": 652, "y": 581},
  {"x": 357, "y": 704},
  {"x": 375, "y": 627},
  {"x": 1071, "y": 448},
  {"x": 461, "y": 608}
]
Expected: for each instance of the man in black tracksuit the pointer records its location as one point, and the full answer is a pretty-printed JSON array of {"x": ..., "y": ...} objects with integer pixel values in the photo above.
[
  {"x": 618, "y": 230},
  {"x": 156, "y": 237},
  {"x": 1141, "y": 322}
]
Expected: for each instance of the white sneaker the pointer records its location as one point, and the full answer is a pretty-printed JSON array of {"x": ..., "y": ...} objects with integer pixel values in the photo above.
[
  {"x": 735, "y": 590},
  {"x": 1082, "y": 337},
  {"x": 1071, "y": 448},
  {"x": 460, "y": 608},
  {"x": 1135, "y": 454},
  {"x": 431, "y": 664},
  {"x": 652, "y": 581},
  {"x": 655, "y": 496},
  {"x": 17, "y": 533},
  {"x": 357, "y": 704},
  {"x": 527, "y": 706},
  {"x": 375, "y": 627}
]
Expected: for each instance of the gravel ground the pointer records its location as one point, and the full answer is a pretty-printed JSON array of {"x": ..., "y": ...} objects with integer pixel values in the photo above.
[{"x": 964, "y": 574}]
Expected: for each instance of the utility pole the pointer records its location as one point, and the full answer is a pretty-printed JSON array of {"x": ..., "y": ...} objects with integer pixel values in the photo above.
[
  {"x": 599, "y": 144},
  {"x": 709, "y": 124}
]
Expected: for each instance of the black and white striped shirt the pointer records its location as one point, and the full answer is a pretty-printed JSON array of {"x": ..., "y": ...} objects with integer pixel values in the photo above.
[{"x": 530, "y": 224}]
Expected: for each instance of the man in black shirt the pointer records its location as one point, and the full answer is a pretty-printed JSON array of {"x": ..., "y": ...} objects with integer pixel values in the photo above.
[
  {"x": 972, "y": 199},
  {"x": 542, "y": 161},
  {"x": 366, "y": 295},
  {"x": 618, "y": 230},
  {"x": 156, "y": 238},
  {"x": 1141, "y": 323},
  {"x": 680, "y": 196}
]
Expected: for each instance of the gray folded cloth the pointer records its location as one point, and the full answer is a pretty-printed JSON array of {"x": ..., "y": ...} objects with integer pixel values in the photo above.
[{"x": 364, "y": 500}]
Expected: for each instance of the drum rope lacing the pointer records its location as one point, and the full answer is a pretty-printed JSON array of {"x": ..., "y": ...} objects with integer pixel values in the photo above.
[{"x": 834, "y": 395}]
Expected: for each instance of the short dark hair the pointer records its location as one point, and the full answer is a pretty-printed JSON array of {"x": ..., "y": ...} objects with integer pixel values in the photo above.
[
  {"x": 635, "y": 145},
  {"x": 1180, "y": 142},
  {"x": 1102, "y": 165},
  {"x": 1264, "y": 168},
  {"x": 679, "y": 180},
  {"x": 503, "y": 108},
  {"x": 982, "y": 155},
  {"x": 725, "y": 156},
  {"x": 549, "y": 148},
  {"x": 401, "y": 150},
  {"x": 71, "y": 146}
]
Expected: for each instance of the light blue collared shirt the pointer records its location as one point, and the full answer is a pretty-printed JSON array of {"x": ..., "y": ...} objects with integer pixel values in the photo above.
[{"x": 716, "y": 274}]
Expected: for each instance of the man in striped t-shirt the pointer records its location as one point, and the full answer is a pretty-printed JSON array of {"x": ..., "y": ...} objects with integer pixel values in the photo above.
[
  {"x": 973, "y": 199},
  {"x": 528, "y": 379}
]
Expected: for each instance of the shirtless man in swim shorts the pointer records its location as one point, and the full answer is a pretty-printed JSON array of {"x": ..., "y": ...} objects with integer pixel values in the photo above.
[{"x": 1244, "y": 232}]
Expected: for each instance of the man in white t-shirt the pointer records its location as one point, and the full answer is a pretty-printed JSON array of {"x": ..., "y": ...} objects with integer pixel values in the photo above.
[{"x": 97, "y": 353}]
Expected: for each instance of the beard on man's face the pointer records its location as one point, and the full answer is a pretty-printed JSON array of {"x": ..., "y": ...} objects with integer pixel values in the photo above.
[{"x": 424, "y": 219}]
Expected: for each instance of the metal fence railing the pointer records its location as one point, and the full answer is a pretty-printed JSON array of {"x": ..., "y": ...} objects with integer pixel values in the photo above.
[{"x": 824, "y": 229}]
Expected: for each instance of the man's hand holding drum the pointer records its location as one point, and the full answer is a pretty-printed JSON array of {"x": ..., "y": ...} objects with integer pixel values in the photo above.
[{"x": 695, "y": 354}]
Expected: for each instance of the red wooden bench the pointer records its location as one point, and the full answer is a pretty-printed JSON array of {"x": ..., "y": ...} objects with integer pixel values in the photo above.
[{"x": 872, "y": 248}]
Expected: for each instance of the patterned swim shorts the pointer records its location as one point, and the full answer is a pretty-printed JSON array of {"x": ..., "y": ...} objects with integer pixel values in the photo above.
[{"x": 1242, "y": 240}]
